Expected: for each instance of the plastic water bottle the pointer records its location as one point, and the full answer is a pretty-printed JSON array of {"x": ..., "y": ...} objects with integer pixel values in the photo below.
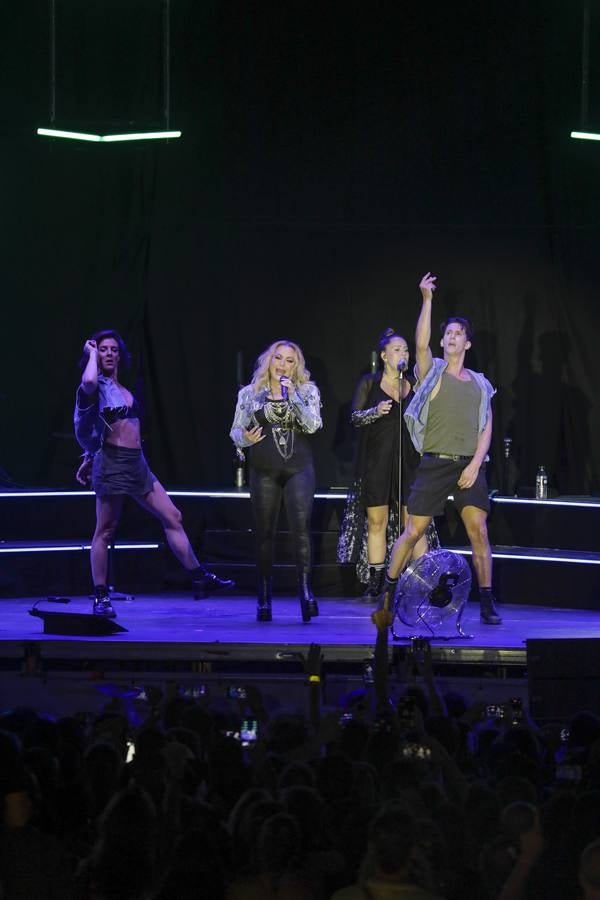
[
  {"x": 239, "y": 474},
  {"x": 541, "y": 484}
]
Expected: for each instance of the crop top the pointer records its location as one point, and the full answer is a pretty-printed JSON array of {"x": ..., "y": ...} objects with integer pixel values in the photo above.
[{"x": 112, "y": 414}]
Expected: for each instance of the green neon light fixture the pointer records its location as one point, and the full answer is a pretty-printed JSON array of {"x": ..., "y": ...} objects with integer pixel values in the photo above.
[
  {"x": 108, "y": 138},
  {"x": 585, "y": 135}
]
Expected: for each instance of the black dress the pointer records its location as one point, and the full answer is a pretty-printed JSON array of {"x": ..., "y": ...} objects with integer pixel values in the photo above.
[
  {"x": 380, "y": 464},
  {"x": 376, "y": 481}
]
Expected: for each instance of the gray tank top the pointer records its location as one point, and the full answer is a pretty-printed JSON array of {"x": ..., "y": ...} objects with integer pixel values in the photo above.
[{"x": 453, "y": 420}]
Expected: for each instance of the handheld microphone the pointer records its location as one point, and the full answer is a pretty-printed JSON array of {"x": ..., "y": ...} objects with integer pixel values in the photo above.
[
  {"x": 284, "y": 390},
  {"x": 402, "y": 365}
]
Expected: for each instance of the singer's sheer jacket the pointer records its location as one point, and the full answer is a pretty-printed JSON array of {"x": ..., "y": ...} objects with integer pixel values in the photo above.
[{"x": 305, "y": 407}]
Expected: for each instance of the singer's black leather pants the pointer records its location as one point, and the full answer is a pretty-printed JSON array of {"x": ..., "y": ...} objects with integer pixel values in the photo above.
[{"x": 267, "y": 490}]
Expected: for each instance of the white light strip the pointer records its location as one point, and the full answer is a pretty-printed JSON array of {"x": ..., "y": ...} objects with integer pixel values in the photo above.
[
  {"x": 531, "y": 557},
  {"x": 108, "y": 138},
  {"x": 71, "y": 135},
  {"x": 244, "y": 495},
  {"x": 332, "y": 495},
  {"x": 60, "y": 548},
  {"x": 28, "y": 494},
  {"x": 142, "y": 136},
  {"x": 133, "y": 546},
  {"x": 585, "y": 135},
  {"x": 587, "y": 504}
]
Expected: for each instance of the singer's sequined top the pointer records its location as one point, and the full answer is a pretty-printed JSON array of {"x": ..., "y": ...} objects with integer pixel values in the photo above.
[{"x": 298, "y": 416}]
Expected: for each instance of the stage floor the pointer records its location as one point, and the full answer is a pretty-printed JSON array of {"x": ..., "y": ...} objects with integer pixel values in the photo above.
[{"x": 174, "y": 626}]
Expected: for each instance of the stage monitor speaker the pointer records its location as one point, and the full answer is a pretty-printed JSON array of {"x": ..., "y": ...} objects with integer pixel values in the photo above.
[
  {"x": 563, "y": 675},
  {"x": 80, "y": 624}
]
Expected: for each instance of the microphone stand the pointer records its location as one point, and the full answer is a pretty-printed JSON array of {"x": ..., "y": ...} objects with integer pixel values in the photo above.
[{"x": 401, "y": 391}]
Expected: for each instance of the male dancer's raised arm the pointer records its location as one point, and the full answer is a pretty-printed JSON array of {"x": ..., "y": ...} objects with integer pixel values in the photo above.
[{"x": 423, "y": 332}]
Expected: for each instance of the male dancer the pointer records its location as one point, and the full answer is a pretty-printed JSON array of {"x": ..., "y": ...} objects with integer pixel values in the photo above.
[{"x": 450, "y": 423}]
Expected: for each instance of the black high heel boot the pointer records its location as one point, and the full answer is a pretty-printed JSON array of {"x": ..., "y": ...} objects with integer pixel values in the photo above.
[
  {"x": 375, "y": 585},
  {"x": 264, "y": 612},
  {"x": 205, "y": 583},
  {"x": 308, "y": 604},
  {"x": 488, "y": 614}
]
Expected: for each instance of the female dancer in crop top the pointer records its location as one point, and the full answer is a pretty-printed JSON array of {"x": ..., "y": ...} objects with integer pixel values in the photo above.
[{"x": 119, "y": 468}]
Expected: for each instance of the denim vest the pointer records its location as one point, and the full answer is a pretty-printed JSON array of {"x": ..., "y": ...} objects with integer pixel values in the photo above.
[
  {"x": 418, "y": 410},
  {"x": 89, "y": 425}
]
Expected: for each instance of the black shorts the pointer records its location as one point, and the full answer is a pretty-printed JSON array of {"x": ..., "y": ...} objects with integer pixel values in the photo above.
[
  {"x": 121, "y": 470},
  {"x": 436, "y": 479}
]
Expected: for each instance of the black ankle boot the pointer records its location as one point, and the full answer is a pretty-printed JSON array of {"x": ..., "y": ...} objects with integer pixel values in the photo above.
[
  {"x": 375, "y": 585},
  {"x": 205, "y": 583},
  {"x": 308, "y": 604},
  {"x": 488, "y": 614},
  {"x": 263, "y": 603},
  {"x": 101, "y": 605}
]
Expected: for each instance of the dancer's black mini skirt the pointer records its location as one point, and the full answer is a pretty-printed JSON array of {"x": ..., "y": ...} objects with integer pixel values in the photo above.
[{"x": 121, "y": 470}]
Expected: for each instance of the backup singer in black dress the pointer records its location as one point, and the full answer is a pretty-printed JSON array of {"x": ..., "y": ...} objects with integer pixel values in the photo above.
[
  {"x": 274, "y": 415},
  {"x": 376, "y": 412}
]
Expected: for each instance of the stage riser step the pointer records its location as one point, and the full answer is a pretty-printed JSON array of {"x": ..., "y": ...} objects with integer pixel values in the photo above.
[
  {"x": 543, "y": 525},
  {"x": 65, "y": 573},
  {"x": 240, "y": 546},
  {"x": 530, "y": 582},
  {"x": 563, "y": 585},
  {"x": 53, "y": 517},
  {"x": 60, "y": 517},
  {"x": 68, "y": 573}
]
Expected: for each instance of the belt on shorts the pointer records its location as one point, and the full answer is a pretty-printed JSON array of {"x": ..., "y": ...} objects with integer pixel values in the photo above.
[{"x": 453, "y": 456}]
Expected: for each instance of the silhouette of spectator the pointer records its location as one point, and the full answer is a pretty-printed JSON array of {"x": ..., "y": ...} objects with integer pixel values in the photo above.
[
  {"x": 393, "y": 856},
  {"x": 589, "y": 871}
]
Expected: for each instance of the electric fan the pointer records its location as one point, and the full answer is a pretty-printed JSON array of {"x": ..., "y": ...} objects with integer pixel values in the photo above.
[{"x": 432, "y": 591}]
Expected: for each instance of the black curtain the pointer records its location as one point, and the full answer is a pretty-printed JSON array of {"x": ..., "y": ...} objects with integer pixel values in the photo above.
[{"x": 331, "y": 154}]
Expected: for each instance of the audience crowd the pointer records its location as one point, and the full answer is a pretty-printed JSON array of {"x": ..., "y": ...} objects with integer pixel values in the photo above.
[{"x": 167, "y": 798}]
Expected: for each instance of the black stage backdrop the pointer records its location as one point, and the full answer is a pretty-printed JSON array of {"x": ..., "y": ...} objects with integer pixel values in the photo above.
[{"x": 332, "y": 153}]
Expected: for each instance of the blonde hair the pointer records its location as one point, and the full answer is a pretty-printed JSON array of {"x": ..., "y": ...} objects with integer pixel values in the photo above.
[{"x": 260, "y": 378}]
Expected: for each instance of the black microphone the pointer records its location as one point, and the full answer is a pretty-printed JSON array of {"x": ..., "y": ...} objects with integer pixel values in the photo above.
[
  {"x": 284, "y": 390},
  {"x": 402, "y": 365}
]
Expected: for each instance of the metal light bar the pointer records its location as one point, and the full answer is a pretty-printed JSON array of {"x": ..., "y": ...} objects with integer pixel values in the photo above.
[
  {"x": 585, "y": 135},
  {"x": 532, "y": 557},
  {"x": 60, "y": 548},
  {"x": 108, "y": 138}
]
